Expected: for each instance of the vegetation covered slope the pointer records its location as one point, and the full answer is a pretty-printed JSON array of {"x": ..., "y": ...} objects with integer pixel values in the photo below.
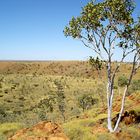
[
  {"x": 62, "y": 68},
  {"x": 29, "y": 94}
]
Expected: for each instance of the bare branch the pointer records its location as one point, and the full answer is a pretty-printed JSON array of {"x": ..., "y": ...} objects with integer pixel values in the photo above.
[
  {"x": 91, "y": 48},
  {"x": 102, "y": 40}
]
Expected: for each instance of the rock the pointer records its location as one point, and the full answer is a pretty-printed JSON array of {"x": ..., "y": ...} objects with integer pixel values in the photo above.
[{"x": 42, "y": 131}]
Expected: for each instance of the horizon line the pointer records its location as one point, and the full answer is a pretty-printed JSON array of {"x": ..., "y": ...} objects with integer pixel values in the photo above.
[{"x": 38, "y": 60}]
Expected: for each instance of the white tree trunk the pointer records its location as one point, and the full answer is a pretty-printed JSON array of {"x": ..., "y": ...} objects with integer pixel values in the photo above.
[
  {"x": 109, "y": 106},
  {"x": 109, "y": 125},
  {"x": 121, "y": 111}
]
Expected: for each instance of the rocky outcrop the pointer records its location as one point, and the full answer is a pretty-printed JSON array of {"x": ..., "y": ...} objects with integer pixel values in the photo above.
[
  {"x": 41, "y": 131},
  {"x": 128, "y": 117}
]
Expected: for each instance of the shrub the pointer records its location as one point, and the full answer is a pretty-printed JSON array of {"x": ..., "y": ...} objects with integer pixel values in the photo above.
[
  {"x": 115, "y": 87},
  {"x": 86, "y": 101},
  {"x": 60, "y": 97},
  {"x": 3, "y": 115},
  {"x": 122, "y": 81},
  {"x": 135, "y": 85}
]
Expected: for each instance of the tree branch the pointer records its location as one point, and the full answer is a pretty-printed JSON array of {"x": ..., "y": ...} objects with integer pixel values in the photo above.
[{"x": 94, "y": 49}]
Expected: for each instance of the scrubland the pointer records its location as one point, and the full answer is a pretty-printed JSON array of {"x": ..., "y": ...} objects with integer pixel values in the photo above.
[{"x": 69, "y": 93}]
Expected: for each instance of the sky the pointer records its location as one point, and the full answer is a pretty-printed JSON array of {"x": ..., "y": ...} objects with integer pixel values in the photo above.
[{"x": 33, "y": 30}]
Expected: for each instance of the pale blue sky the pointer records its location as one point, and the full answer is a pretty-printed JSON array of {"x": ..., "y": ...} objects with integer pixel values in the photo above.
[{"x": 33, "y": 30}]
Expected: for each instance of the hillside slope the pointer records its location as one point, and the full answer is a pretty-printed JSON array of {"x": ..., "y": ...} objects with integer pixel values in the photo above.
[{"x": 29, "y": 96}]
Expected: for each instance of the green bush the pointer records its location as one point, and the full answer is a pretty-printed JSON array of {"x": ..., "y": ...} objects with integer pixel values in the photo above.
[
  {"x": 135, "y": 85},
  {"x": 122, "y": 81},
  {"x": 115, "y": 87},
  {"x": 86, "y": 102},
  {"x": 2, "y": 114}
]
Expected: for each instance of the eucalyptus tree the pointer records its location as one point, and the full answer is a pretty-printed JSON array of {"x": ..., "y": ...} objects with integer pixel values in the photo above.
[{"x": 108, "y": 28}]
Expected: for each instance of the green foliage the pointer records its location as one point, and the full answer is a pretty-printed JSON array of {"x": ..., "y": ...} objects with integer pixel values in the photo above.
[
  {"x": 41, "y": 93},
  {"x": 136, "y": 33},
  {"x": 96, "y": 63},
  {"x": 60, "y": 97},
  {"x": 41, "y": 102},
  {"x": 47, "y": 104},
  {"x": 115, "y": 87},
  {"x": 79, "y": 134},
  {"x": 82, "y": 129},
  {"x": 6, "y": 116},
  {"x": 86, "y": 101},
  {"x": 93, "y": 17},
  {"x": 122, "y": 81},
  {"x": 135, "y": 85},
  {"x": 102, "y": 27},
  {"x": 2, "y": 113}
]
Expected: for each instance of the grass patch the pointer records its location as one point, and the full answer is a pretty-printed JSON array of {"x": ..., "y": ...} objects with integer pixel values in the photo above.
[
  {"x": 77, "y": 131},
  {"x": 81, "y": 129},
  {"x": 8, "y": 129}
]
